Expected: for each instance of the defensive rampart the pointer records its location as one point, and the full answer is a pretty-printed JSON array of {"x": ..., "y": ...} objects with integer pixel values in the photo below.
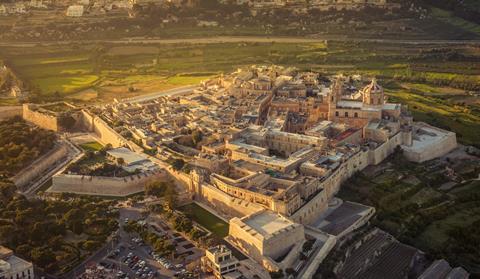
[
  {"x": 433, "y": 144},
  {"x": 104, "y": 132},
  {"x": 103, "y": 186},
  {"x": 10, "y": 111},
  {"x": 41, "y": 119},
  {"x": 39, "y": 166}
]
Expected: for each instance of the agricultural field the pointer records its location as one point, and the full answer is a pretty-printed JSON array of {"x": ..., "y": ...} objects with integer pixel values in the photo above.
[
  {"x": 447, "y": 17},
  {"x": 424, "y": 205},
  {"x": 439, "y": 83}
]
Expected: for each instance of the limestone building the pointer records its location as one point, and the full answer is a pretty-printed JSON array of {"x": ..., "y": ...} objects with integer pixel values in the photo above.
[
  {"x": 75, "y": 11},
  {"x": 12, "y": 267},
  {"x": 357, "y": 113},
  {"x": 220, "y": 261},
  {"x": 267, "y": 237}
]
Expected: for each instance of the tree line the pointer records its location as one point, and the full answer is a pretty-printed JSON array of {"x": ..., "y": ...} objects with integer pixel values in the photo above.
[{"x": 21, "y": 144}]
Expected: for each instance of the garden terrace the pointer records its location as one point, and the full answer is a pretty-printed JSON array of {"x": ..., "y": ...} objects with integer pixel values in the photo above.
[
  {"x": 367, "y": 251},
  {"x": 396, "y": 261},
  {"x": 96, "y": 164}
]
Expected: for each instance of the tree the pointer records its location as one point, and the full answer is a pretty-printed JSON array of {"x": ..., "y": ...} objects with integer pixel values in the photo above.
[
  {"x": 155, "y": 188},
  {"x": 290, "y": 271},
  {"x": 42, "y": 256},
  {"x": 66, "y": 121},
  {"x": 307, "y": 246},
  {"x": 7, "y": 191},
  {"x": 91, "y": 245},
  {"x": 177, "y": 164},
  {"x": 24, "y": 250},
  {"x": 276, "y": 274},
  {"x": 197, "y": 136}
]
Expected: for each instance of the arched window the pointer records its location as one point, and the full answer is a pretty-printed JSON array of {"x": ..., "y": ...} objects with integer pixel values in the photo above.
[{"x": 355, "y": 114}]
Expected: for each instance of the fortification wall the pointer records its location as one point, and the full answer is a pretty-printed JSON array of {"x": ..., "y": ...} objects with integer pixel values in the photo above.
[
  {"x": 434, "y": 149},
  {"x": 312, "y": 209},
  {"x": 107, "y": 134},
  {"x": 42, "y": 120},
  {"x": 226, "y": 204},
  {"x": 10, "y": 111},
  {"x": 104, "y": 132},
  {"x": 377, "y": 155},
  {"x": 320, "y": 255},
  {"x": 103, "y": 186},
  {"x": 39, "y": 166}
]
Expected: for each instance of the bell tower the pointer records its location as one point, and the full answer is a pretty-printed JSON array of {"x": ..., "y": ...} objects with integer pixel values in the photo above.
[
  {"x": 373, "y": 94},
  {"x": 334, "y": 96}
]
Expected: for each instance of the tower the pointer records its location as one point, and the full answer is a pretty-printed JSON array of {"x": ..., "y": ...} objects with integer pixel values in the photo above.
[
  {"x": 334, "y": 96},
  {"x": 373, "y": 94}
]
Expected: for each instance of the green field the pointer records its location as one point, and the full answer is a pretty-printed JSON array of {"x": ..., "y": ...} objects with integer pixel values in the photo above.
[
  {"x": 206, "y": 219},
  {"x": 412, "y": 206},
  {"x": 91, "y": 146},
  {"x": 433, "y": 80},
  {"x": 447, "y": 17}
]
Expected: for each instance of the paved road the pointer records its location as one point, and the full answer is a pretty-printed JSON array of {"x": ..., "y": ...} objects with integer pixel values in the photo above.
[
  {"x": 155, "y": 95},
  {"x": 242, "y": 39},
  {"x": 134, "y": 213}
]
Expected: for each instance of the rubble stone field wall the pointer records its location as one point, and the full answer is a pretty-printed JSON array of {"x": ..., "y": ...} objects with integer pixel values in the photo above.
[
  {"x": 103, "y": 186},
  {"x": 42, "y": 120},
  {"x": 39, "y": 166},
  {"x": 10, "y": 111}
]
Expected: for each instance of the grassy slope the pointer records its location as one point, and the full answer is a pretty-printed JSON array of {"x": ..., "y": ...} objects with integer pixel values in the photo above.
[{"x": 447, "y": 17}]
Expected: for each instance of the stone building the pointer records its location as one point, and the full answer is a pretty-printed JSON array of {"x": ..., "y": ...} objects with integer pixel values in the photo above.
[
  {"x": 267, "y": 237},
  {"x": 220, "y": 261},
  {"x": 12, "y": 267},
  {"x": 357, "y": 113},
  {"x": 75, "y": 11}
]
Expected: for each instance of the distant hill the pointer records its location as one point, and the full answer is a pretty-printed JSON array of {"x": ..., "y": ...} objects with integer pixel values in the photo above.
[{"x": 466, "y": 9}]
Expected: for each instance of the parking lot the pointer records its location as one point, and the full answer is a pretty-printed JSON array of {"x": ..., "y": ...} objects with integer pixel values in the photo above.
[{"x": 130, "y": 257}]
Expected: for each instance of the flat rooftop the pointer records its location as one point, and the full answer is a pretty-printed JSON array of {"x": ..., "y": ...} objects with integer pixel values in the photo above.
[
  {"x": 5, "y": 252},
  {"x": 427, "y": 136},
  {"x": 267, "y": 222},
  {"x": 128, "y": 156}
]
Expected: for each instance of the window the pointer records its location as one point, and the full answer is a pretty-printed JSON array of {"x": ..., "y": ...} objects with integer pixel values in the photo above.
[
  {"x": 355, "y": 114},
  {"x": 346, "y": 114},
  {"x": 337, "y": 114}
]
